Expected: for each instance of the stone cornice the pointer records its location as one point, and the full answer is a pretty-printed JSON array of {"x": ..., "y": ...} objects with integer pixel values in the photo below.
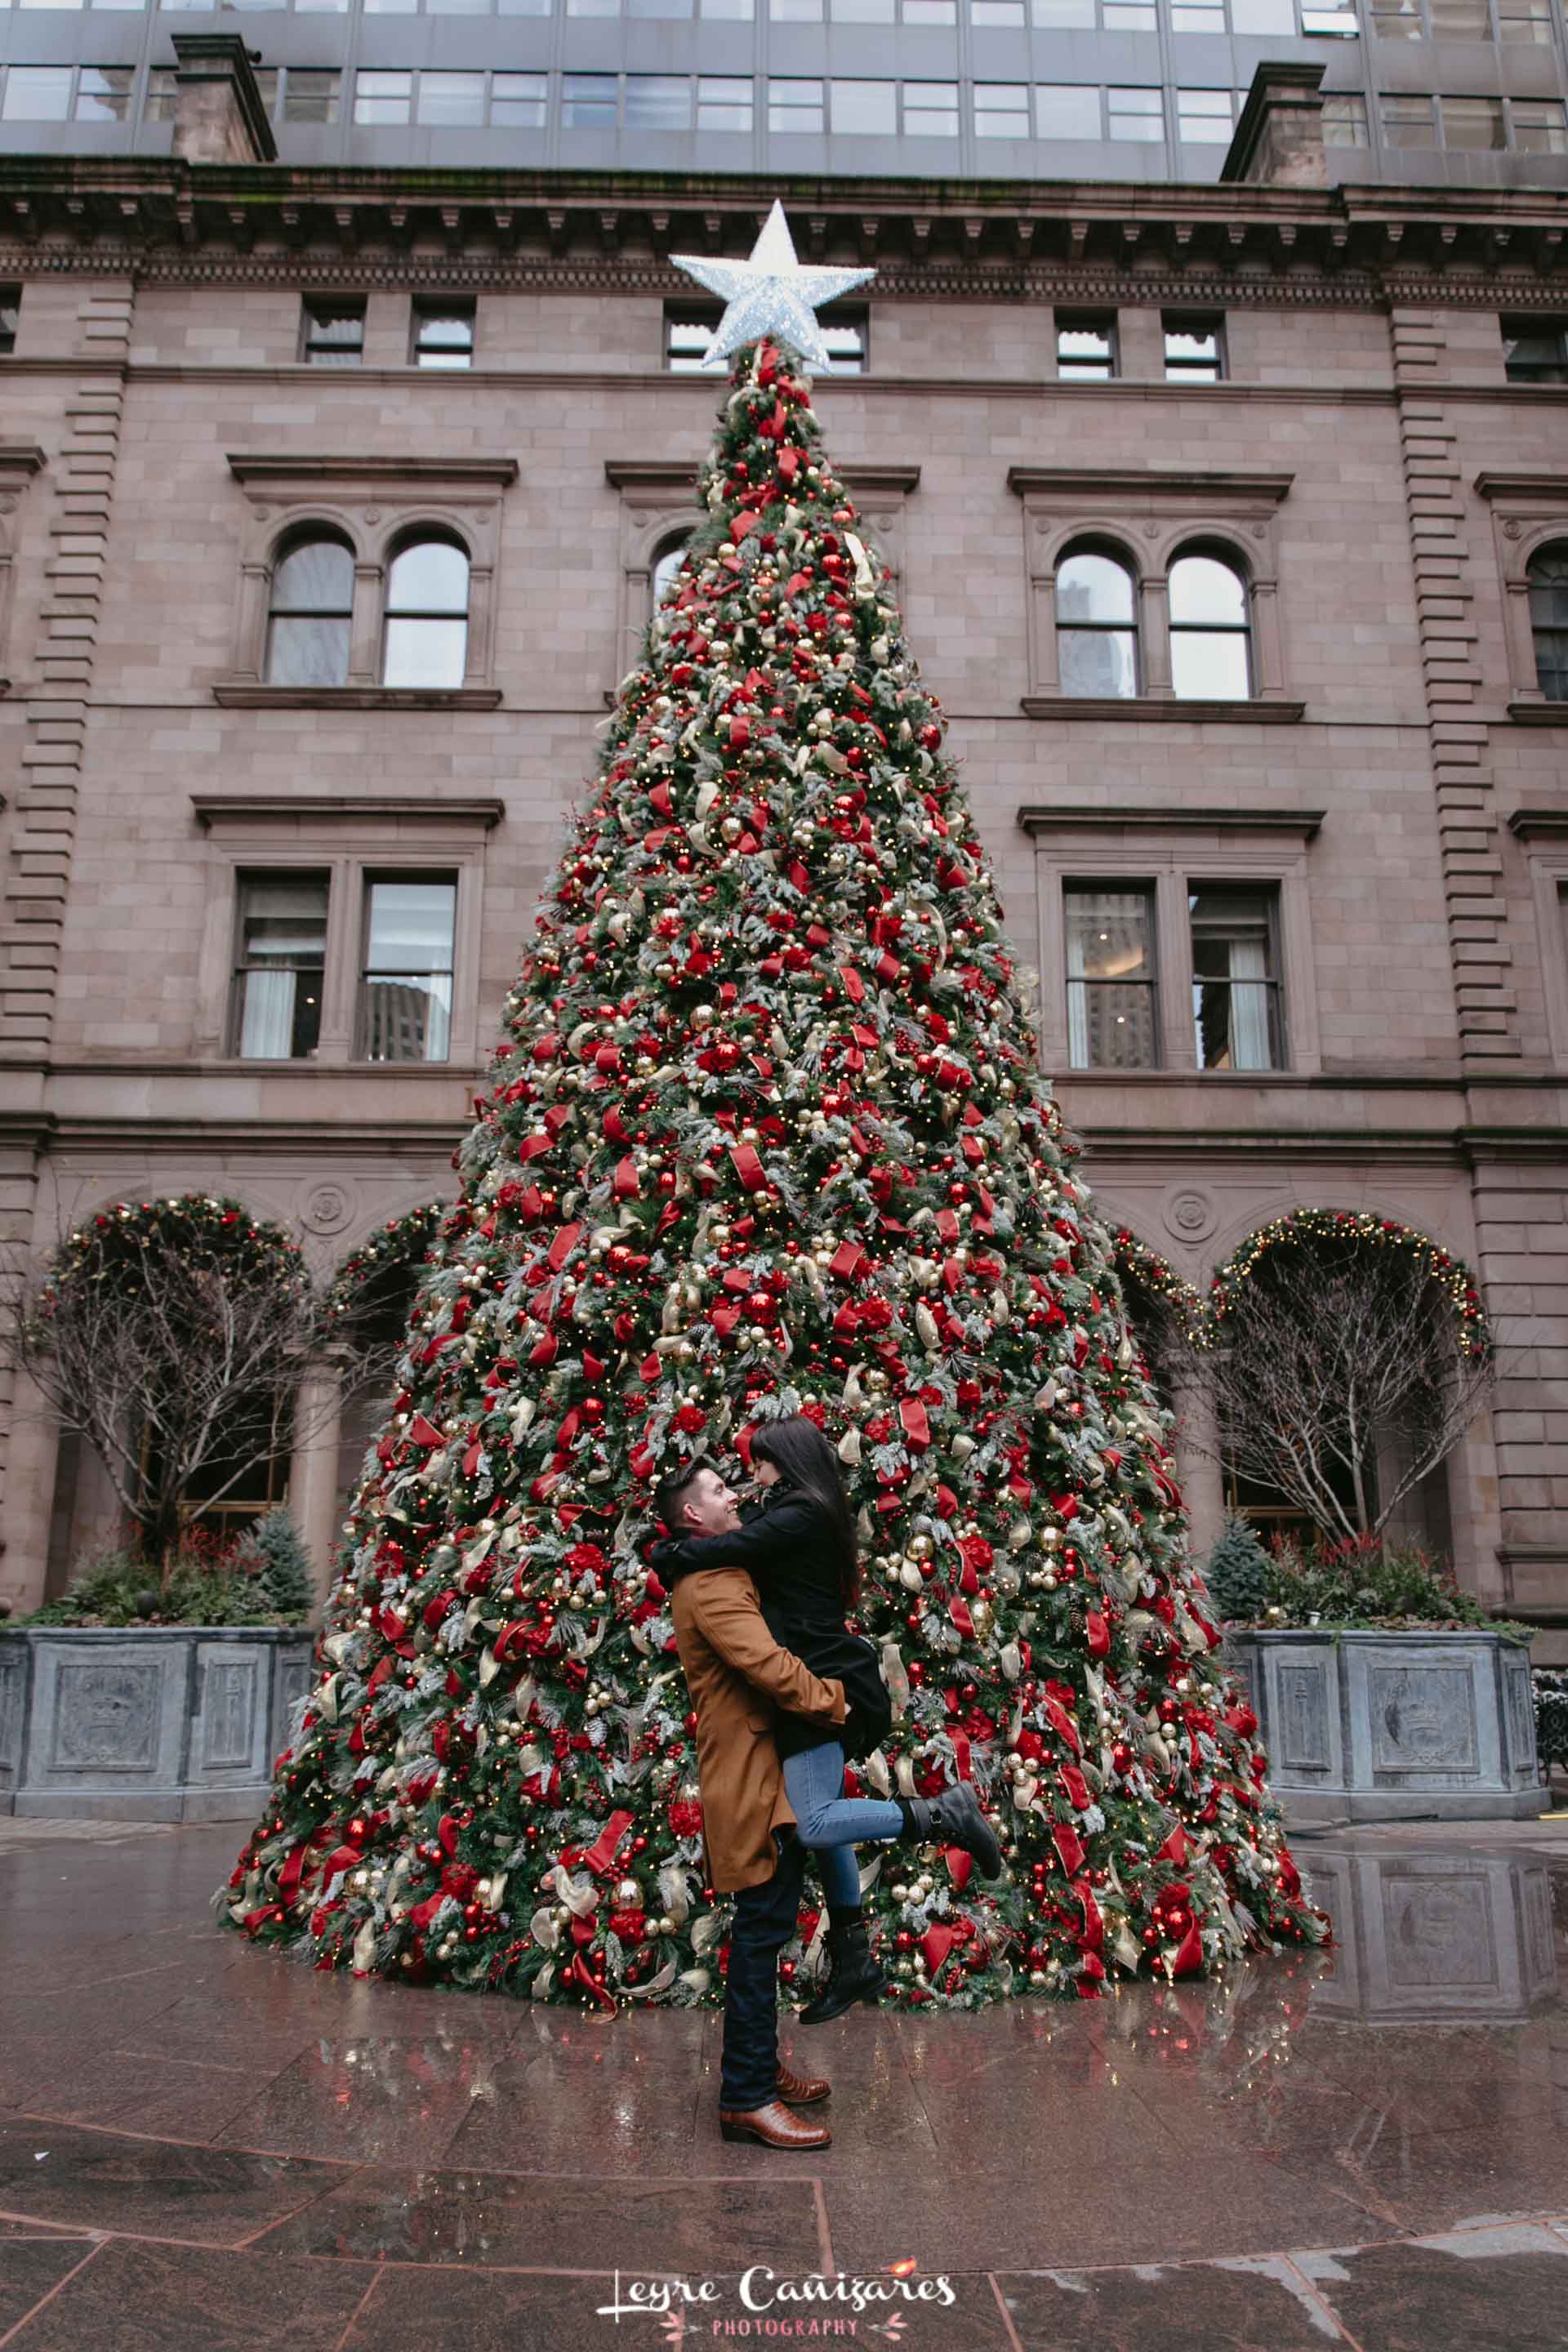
[
  {"x": 248, "y": 694},
  {"x": 215, "y": 811},
  {"x": 1553, "y": 489},
  {"x": 1302, "y": 825},
  {"x": 1137, "y": 482},
  {"x": 669, "y": 477},
  {"x": 268, "y": 470},
  {"x": 1539, "y": 821},
  {"x": 169, "y": 219},
  {"x": 1260, "y": 711},
  {"x": 21, "y": 458}
]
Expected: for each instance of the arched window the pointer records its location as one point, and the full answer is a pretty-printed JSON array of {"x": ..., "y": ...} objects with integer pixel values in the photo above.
[
  {"x": 1211, "y": 650},
  {"x": 426, "y": 639},
  {"x": 667, "y": 566},
  {"x": 1097, "y": 625},
  {"x": 310, "y": 613},
  {"x": 1548, "y": 578}
]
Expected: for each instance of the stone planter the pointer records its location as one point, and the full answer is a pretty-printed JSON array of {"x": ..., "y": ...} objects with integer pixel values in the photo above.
[
  {"x": 1420, "y": 1937},
  {"x": 1369, "y": 1727},
  {"x": 170, "y": 1723}
]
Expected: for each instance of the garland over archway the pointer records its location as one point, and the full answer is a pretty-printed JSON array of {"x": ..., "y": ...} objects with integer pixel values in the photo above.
[
  {"x": 1158, "y": 1275},
  {"x": 195, "y": 1224},
  {"x": 401, "y": 1241},
  {"x": 1362, "y": 1225}
]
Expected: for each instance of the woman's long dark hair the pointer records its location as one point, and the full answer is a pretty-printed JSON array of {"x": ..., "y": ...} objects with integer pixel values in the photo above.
[{"x": 800, "y": 1453}]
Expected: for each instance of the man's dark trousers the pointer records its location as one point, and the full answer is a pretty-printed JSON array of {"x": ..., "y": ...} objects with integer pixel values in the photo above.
[{"x": 765, "y": 1921}]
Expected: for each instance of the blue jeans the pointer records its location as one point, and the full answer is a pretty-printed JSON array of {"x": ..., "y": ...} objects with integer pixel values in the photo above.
[
  {"x": 831, "y": 1823},
  {"x": 764, "y": 1920}
]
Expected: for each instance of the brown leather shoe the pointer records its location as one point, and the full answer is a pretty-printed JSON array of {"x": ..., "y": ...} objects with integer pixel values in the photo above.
[
  {"x": 774, "y": 2124},
  {"x": 800, "y": 2090}
]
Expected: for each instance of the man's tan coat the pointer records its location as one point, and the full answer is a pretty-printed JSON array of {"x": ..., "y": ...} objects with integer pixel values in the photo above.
[{"x": 737, "y": 1674}]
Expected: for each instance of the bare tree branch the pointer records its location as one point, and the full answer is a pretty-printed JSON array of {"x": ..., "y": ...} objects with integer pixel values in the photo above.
[{"x": 1338, "y": 1377}]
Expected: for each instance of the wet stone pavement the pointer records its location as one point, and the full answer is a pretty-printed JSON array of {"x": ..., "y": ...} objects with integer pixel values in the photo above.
[{"x": 206, "y": 2146}]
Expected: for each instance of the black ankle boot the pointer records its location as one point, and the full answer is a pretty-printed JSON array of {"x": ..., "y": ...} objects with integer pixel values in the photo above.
[
  {"x": 852, "y": 1973},
  {"x": 953, "y": 1818}
]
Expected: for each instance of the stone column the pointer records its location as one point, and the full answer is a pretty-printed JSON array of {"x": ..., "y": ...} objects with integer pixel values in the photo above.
[
  {"x": 313, "y": 1464},
  {"x": 1198, "y": 1470},
  {"x": 33, "y": 1458}
]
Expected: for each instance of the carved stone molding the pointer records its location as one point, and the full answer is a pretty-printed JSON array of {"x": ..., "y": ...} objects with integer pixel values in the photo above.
[{"x": 372, "y": 504}]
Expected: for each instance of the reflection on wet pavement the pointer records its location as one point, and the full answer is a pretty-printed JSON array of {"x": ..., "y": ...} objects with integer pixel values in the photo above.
[{"x": 203, "y": 2146}]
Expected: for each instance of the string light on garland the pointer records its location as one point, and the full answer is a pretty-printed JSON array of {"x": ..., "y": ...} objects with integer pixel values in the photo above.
[
  {"x": 1356, "y": 1227},
  {"x": 403, "y": 1241}
]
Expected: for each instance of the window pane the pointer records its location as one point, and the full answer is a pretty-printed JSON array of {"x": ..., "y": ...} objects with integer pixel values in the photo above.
[
  {"x": 1067, "y": 110},
  {"x": 734, "y": 10},
  {"x": 930, "y": 110},
  {"x": 520, "y": 100},
  {"x": 666, "y": 571},
  {"x": 866, "y": 109},
  {"x": 334, "y": 333},
  {"x": 996, "y": 12},
  {"x": 1525, "y": 20},
  {"x": 593, "y": 8},
  {"x": 1205, "y": 590},
  {"x": 658, "y": 7},
  {"x": 931, "y": 12},
  {"x": 103, "y": 93},
  {"x": 862, "y": 12},
  {"x": 795, "y": 12},
  {"x": 308, "y": 652},
  {"x": 1472, "y": 123},
  {"x": 162, "y": 90},
  {"x": 723, "y": 103},
  {"x": 845, "y": 344},
  {"x": 1136, "y": 113},
  {"x": 1346, "y": 123},
  {"x": 408, "y": 965},
  {"x": 1235, "y": 1000},
  {"x": 1086, "y": 354},
  {"x": 588, "y": 101},
  {"x": 1407, "y": 123},
  {"x": 1099, "y": 662},
  {"x": 1110, "y": 978},
  {"x": 1460, "y": 20},
  {"x": 1204, "y": 117},
  {"x": 429, "y": 577},
  {"x": 282, "y": 952},
  {"x": 1127, "y": 16},
  {"x": 1534, "y": 351},
  {"x": 309, "y": 97},
  {"x": 38, "y": 94},
  {"x": 794, "y": 105},
  {"x": 382, "y": 96},
  {"x": 318, "y": 577},
  {"x": 10, "y": 315},
  {"x": 1092, "y": 587},
  {"x": 1539, "y": 126},
  {"x": 444, "y": 336},
  {"x": 1209, "y": 665},
  {"x": 1397, "y": 20},
  {"x": 451, "y": 98},
  {"x": 1548, "y": 578},
  {"x": 1001, "y": 109},
  {"x": 659, "y": 102},
  {"x": 1188, "y": 17},
  {"x": 1193, "y": 353},
  {"x": 424, "y": 652},
  {"x": 1063, "y": 15},
  {"x": 1262, "y": 16}
]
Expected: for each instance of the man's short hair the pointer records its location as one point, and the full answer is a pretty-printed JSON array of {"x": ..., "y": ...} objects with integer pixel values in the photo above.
[{"x": 670, "y": 1492}]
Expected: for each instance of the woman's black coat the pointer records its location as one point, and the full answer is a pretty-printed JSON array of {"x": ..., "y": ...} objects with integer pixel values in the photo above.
[{"x": 788, "y": 1546}]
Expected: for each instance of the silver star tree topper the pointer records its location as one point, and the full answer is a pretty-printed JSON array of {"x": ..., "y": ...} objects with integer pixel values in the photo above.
[{"x": 770, "y": 294}]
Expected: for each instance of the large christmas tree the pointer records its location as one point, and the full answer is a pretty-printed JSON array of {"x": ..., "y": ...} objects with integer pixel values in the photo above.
[{"x": 767, "y": 1135}]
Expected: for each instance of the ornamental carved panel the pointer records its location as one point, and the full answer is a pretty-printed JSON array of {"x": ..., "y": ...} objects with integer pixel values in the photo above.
[
  {"x": 1423, "y": 1719},
  {"x": 105, "y": 1717},
  {"x": 1439, "y": 1930},
  {"x": 228, "y": 1712},
  {"x": 1304, "y": 1743}
]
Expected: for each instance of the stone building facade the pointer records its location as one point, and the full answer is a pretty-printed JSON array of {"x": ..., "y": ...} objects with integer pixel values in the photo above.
[{"x": 1362, "y": 807}]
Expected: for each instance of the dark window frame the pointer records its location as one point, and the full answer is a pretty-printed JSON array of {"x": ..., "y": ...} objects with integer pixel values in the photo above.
[
  {"x": 1195, "y": 323},
  {"x": 241, "y": 966},
  {"x": 426, "y": 310},
  {"x": 1272, "y": 979},
  {"x": 314, "y": 350},
  {"x": 1088, "y": 322},
  {"x": 1144, "y": 886},
  {"x": 370, "y": 876}
]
